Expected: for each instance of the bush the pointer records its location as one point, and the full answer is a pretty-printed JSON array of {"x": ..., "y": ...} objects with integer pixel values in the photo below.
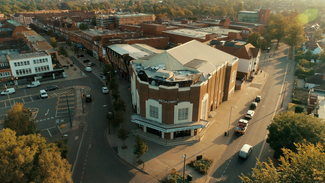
[
  {"x": 299, "y": 109},
  {"x": 296, "y": 101},
  {"x": 202, "y": 165},
  {"x": 174, "y": 177}
]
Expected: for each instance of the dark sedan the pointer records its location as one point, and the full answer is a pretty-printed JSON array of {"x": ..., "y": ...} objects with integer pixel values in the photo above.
[
  {"x": 90, "y": 64},
  {"x": 81, "y": 55},
  {"x": 52, "y": 87},
  {"x": 86, "y": 60}
]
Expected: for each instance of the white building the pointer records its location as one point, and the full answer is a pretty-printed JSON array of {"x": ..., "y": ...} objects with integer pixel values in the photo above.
[{"x": 30, "y": 64}]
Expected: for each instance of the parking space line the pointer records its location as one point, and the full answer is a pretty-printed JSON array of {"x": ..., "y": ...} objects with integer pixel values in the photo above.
[
  {"x": 23, "y": 100},
  {"x": 49, "y": 132},
  {"x": 5, "y": 104},
  {"x": 31, "y": 98}
]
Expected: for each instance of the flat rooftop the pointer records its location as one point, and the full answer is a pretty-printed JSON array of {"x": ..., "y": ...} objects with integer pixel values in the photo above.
[
  {"x": 217, "y": 30},
  {"x": 194, "y": 33},
  {"x": 128, "y": 49},
  {"x": 12, "y": 57},
  {"x": 251, "y": 12},
  {"x": 13, "y": 22},
  {"x": 133, "y": 15},
  {"x": 95, "y": 32}
]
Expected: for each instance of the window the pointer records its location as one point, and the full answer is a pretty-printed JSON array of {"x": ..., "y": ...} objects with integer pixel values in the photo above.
[
  {"x": 27, "y": 62},
  {"x": 15, "y": 64},
  {"x": 18, "y": 63},
  {"x": 183, "y": 114},
  {"x": 154, "y": 112}
]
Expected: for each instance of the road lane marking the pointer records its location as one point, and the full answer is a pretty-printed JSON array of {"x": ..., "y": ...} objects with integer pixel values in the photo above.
[
  {"x": 23, "y": 100},
  {"x": 47, "y": 112},
  {"x": 49, "y": 132},
  {"x": 31, "y": 98}
]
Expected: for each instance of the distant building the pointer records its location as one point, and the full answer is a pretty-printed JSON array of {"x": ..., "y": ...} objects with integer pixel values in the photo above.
[{"x": 257, "y": 16}]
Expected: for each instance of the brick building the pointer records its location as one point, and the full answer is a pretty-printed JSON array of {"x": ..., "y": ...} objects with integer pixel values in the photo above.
[
  {"x": 133, "y": 19},
  {"x": 257, "y": 16},
  {"x": 174, "y": 91},
  {"x": 11, "y": 30}
]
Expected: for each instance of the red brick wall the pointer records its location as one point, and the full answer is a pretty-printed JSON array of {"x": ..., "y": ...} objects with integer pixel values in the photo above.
[
  {"x": 129, "y": 28},
  {"x": 180, "y": 39}
]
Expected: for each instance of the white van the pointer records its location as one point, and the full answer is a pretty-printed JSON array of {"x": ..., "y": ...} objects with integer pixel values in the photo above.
[
  {"x": 8, "y": 91},
  {"x": 88, "y": 69},
  {"x": 245, "y": 151},
  {"x": 34, "y": 84},
  {"x": 43, "y": 94}
]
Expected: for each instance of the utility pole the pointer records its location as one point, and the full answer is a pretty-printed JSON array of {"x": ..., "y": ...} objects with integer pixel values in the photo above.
[{"x": 184, "y": 156}]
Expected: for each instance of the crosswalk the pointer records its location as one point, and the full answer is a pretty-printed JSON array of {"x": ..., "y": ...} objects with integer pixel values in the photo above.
[{"x": 65, "y": 104}]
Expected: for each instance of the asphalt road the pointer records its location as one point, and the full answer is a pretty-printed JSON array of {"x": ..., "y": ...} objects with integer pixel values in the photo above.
[
  {"x": 96, "y": 160},
  {"x": 230, "y": 166}
]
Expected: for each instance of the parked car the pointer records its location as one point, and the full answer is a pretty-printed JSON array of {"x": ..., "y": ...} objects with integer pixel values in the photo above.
[
  {"x": 52, "y": 87},
  {"x": 104, "y": 89},
  {"x": 43, "y": 94},
  {"x": 258, "y": 98},
  {"x": 102, "y": 74},
  {"x": 249, "y": 114},
  {"x": 8, "y": 91},
  {"x": 88, "y": 69},
  {"x": 88, "y": 98},
  {"x": 34, "y": 84},
  {"x": 90, "y": 64},
  {"x": 245, "y": 151},
  {"x": 81, "y": 55},
  {"x": 86, "y": 60},
  {"x": 253, "y": 105}
]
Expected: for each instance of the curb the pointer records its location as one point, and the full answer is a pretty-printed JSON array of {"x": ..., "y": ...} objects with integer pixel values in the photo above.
[{"x": 108, "y": 144}]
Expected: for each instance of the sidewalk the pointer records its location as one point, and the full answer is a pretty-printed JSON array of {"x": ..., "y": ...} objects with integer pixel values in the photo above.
[{"x": 159, "y": 160}]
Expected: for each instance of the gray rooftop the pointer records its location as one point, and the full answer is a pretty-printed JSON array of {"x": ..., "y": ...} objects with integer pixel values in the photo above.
[
  {"x": 95, "y": 32},
  {"x": 27, "y": 55},
  {"x": 133, "y": 15},
  {"x": 35, "y": 38},
  {"x": 188, "y": 33},
  {"x": 13, "y": 22},
  {"x": 217, "y": 30}
]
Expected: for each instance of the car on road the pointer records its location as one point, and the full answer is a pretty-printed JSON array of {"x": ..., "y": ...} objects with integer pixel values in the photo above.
[
  {"x": 249, "y": 114},
  {"x": 104, "y": 89},
  {"x": 43, "y": 94},
  {"x": 90, "y": 64},
  {"x": 102, "y": 74},
  {"x": 88, "y": 98},
  {"x": 88, "y": 69},
  {"x": 241, "y": 126},
  {"x": 34, "y": 84},
  {"x": 8, "y": 91},
  {"x": 81, "y": 55},
  {"x": 258, "y": 98},
  {"x": 245, "y": 151},
  {"x": 253, "y": 105},
  {"x": 86, "y": 60},
  {"x": 52, "y": 87}
]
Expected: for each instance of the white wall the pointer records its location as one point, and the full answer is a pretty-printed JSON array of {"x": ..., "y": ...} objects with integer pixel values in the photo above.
[
  {"x": 31, "y": 65},
  {"x": 243, "y": 65}
]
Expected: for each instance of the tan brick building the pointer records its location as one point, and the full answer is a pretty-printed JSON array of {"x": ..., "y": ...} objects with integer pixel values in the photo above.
[{"x": 174, "y": 91}]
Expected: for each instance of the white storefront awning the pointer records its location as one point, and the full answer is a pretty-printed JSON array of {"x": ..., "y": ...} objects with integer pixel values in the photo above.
[{"x": 168, "y": 128}]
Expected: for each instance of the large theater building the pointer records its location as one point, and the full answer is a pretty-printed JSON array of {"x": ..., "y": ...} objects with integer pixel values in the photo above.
[{"x": 174, "y": 91}]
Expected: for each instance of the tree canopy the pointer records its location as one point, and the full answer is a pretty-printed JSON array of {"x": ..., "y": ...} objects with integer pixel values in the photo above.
[
  {"x": 83, "y": 26},
  {"x": 29, "y": 158},
  {"x": 140, "y": 147},
  {"x": 53, "y": 42},
  {"x": 288, "y": 128},
  {"x": 255, "y": 39},
  {"x": 305, "y": 164},
  {"x": 19, "y": 120}
]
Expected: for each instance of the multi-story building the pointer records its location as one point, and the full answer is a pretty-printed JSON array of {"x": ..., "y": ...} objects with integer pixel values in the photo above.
[
  {"x": 104, "y": 20},
  {"x": 11, "y": 30},
  {"x": 257, "y": 16},
  {"x": 174, "y": 91},
  {"x": 248, "y": 55},
  {"x": 133, "y": 19}
]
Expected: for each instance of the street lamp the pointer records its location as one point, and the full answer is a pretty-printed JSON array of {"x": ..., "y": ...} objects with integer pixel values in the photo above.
[
  {"x": 230, "y": 118},
  {"x": 184, "y": 157}
]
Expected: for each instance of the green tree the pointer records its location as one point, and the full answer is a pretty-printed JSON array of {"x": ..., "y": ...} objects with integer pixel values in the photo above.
[
  {"x": 83, "y": 26},
  {"x": 19, "y": 120},
  {"x": 63, "y": 51},
  {"x": 119, "y": 105},
  {"x": 304, "y": 63},
  {"x": 305, "y": 164},
  {"x": 295, "y": 35},
  {"x": 278, "y": 27},
  {"x": 255, "y": 39},
  {"x": 62, "y": 146},
  {"x": 308, "y": 55},
  {"x": 318, "y": 34},
  {"x": 93, "y": 20},
  {"x": 61, "y": 38},
  {"x": 53, "y": 42},
  {"x": 113, "y": 85},
  {"x": 293, "y": 128},
  {"x": 321, "y": 55},
  {"x": 30, "y": 159},
  {"x": 140, "y": 147},
  {"x": 118, "y": 118},
  {"x": 123, "y": 134},
  {"x": 115, "y": 94}
]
